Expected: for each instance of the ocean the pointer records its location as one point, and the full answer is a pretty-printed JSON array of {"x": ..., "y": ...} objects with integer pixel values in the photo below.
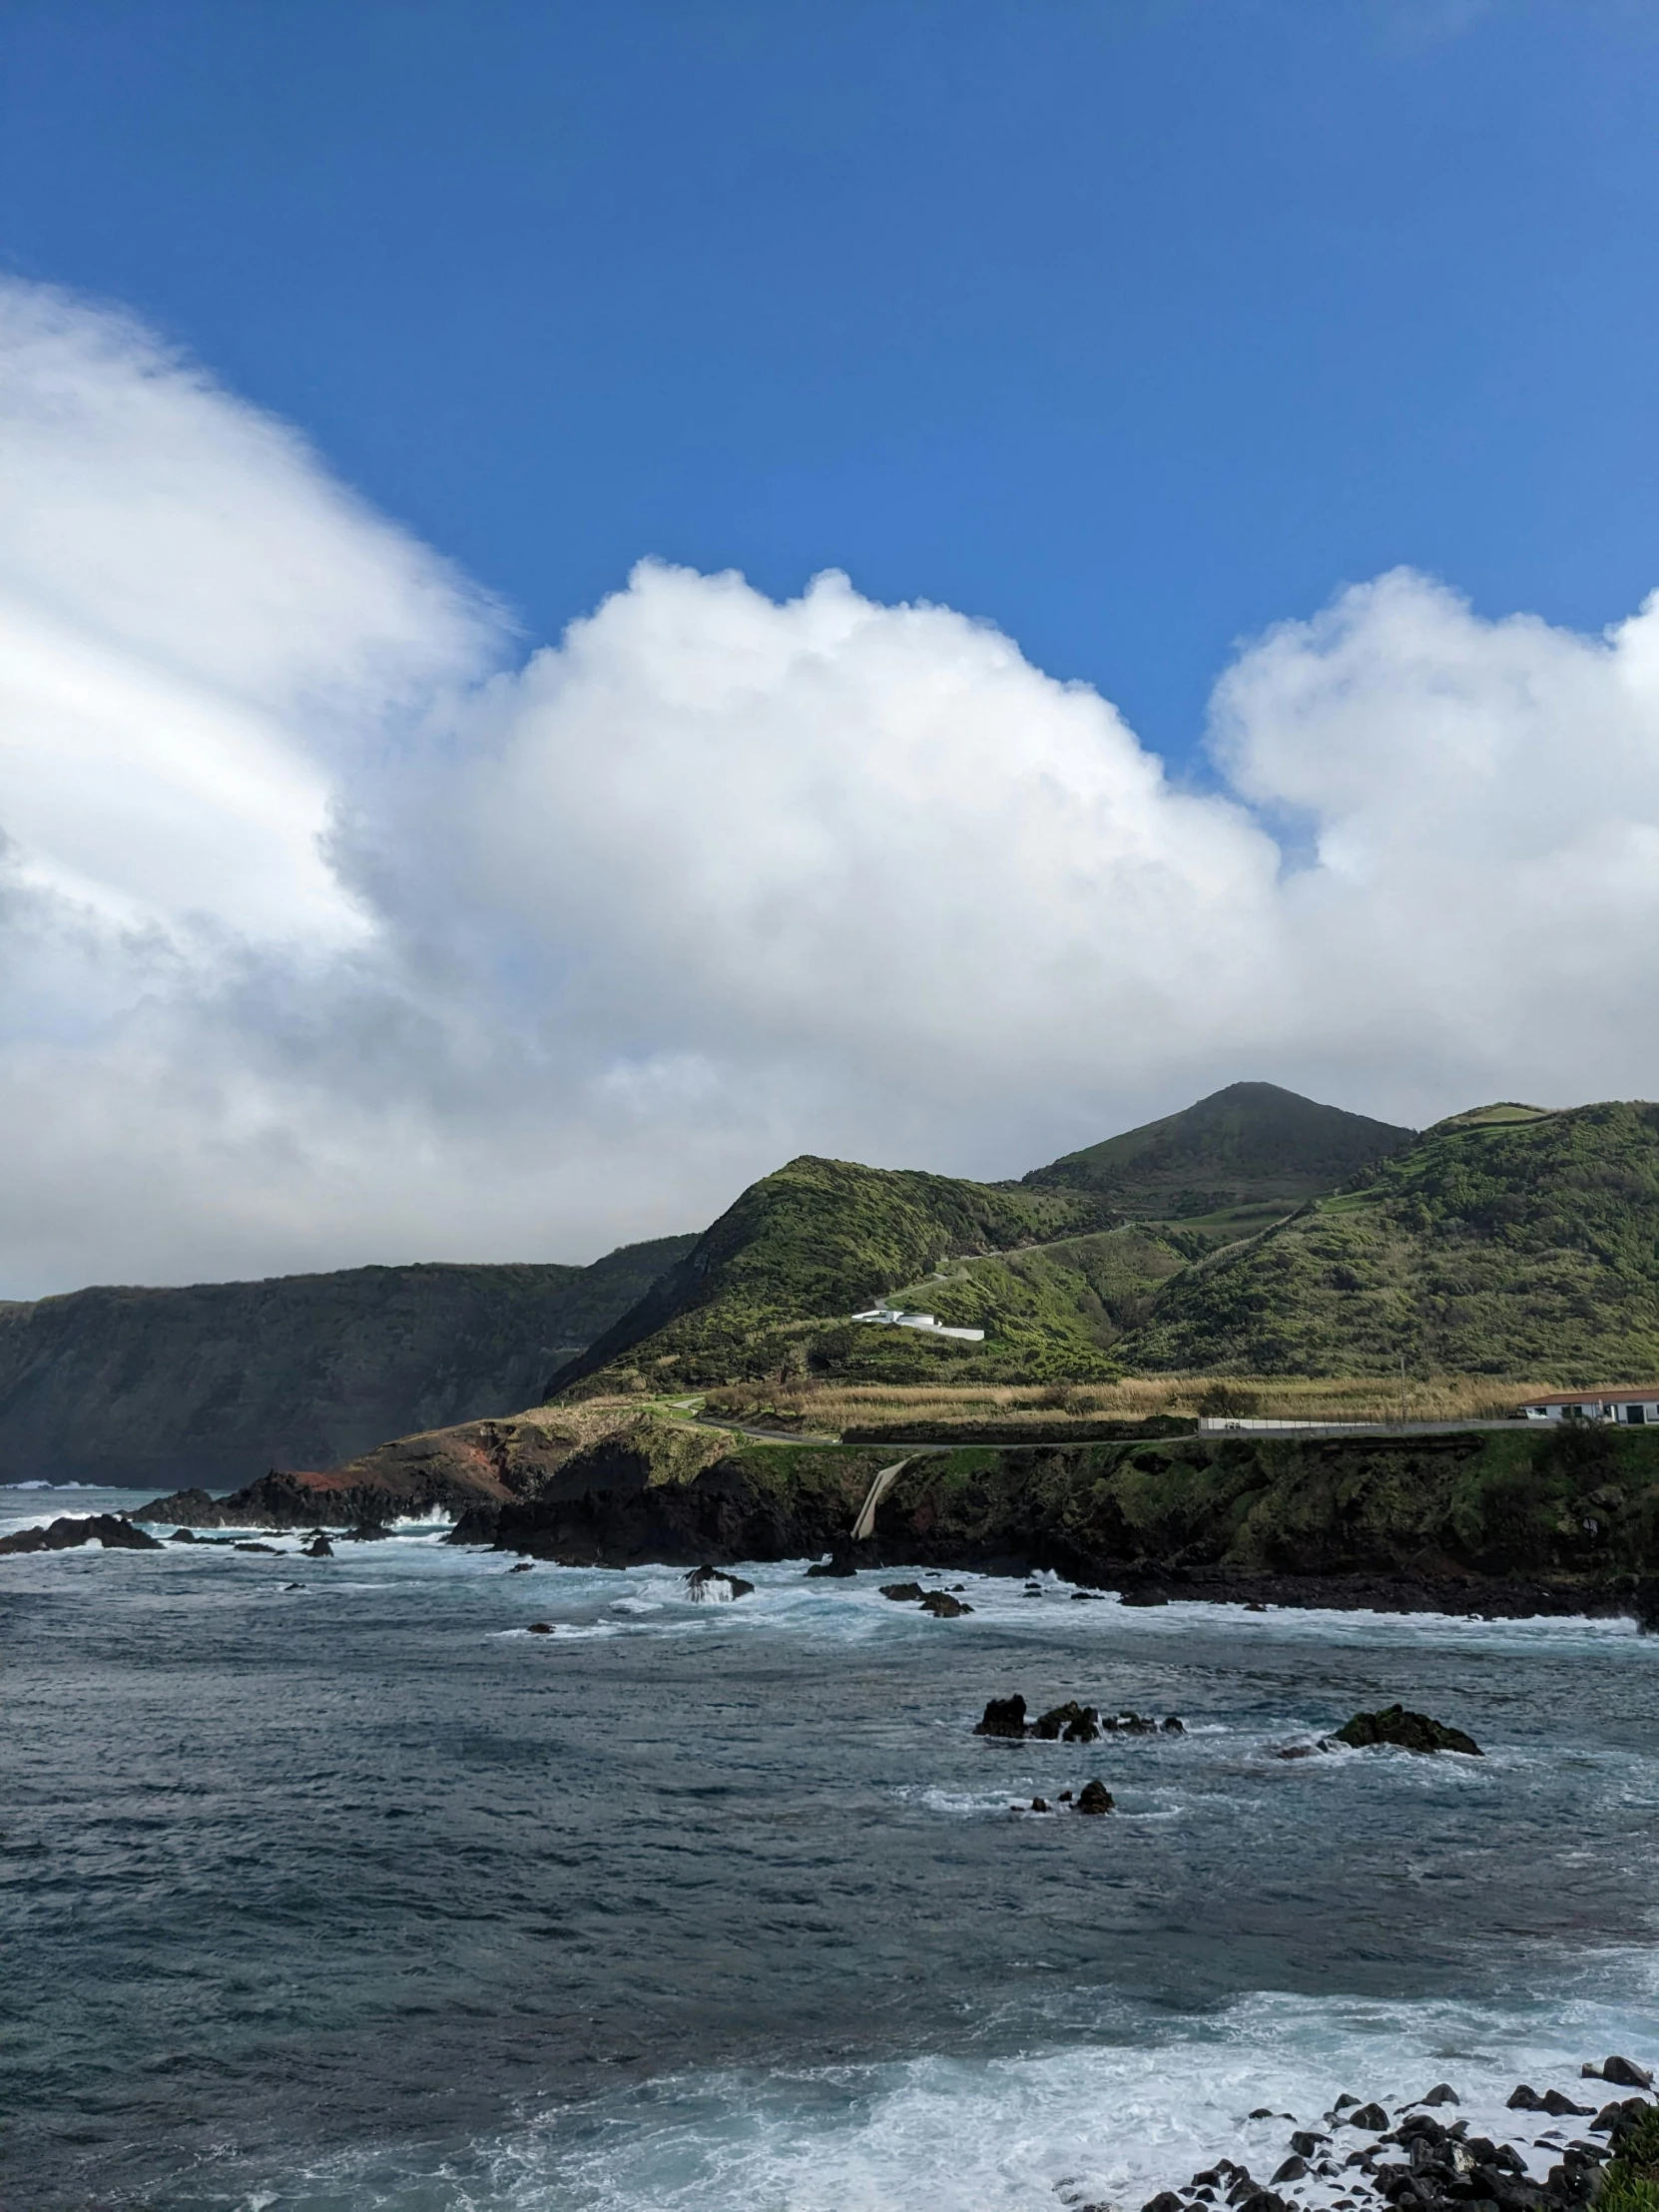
[{"x": 327, "y": 1884}]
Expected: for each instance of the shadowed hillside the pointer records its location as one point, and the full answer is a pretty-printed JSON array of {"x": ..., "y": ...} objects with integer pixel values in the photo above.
[{"x": 220, "y": 1380}]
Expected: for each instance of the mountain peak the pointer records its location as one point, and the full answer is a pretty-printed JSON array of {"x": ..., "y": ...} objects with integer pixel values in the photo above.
[{"x": 1251, "y": 1145}]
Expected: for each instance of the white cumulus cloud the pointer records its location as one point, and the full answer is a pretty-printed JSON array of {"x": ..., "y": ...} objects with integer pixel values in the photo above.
[{"x": 332, "y": 928}]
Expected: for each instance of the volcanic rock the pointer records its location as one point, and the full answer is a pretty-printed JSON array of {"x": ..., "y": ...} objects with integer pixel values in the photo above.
[
  {"x": 713, "y": 1586},
  {"x": 1411, "y": 1731},
  {"x": 1004, "y": 1716},
  {"x": 113, "y": 1531},
  {"x": 1071, "y": 1722},
  {"x": 902, "y": 1593},
  {"x": 943, "y": 1606},
  {"x": 1094, "y": 1796},
  {"x": 1626, "y": 2075}
]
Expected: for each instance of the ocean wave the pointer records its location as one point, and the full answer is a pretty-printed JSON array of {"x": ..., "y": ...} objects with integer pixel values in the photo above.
[{"x": 1104, "y": 2122}]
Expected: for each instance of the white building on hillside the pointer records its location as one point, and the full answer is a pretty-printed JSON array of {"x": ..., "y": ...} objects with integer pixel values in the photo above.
[
  {"x": 1634, "y": 1403},
  {"x": 888, "y": 1317}
]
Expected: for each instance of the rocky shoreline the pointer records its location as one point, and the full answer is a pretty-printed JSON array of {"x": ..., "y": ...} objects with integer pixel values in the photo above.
[{"x": 1419, "y": 2157}]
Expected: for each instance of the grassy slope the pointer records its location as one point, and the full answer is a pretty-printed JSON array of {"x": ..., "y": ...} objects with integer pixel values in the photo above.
[
  {"x": 773, "y": 1282},
  {"x": 1056, "y": 1307},
  {"x": 1503, "y": 1243},
  {"x": 1250, "y": 1144}
]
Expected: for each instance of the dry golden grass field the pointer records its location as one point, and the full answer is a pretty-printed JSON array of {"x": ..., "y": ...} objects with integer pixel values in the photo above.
[{"x": 830, "y": 1407}]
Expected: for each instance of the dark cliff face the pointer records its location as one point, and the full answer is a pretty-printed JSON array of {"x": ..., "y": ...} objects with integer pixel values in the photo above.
[
  {"x": 1477, "y": 1522},
  {"x": 217, "y": 1382}
]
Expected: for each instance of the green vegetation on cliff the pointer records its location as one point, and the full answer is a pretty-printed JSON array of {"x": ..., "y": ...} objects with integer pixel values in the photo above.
[
  {"x": 1504, "y": 1242},
  {"x": 215, "y": 1382},
  {"x": 1507, "y": 1241},
  {"x": 773, "y": 1280}
]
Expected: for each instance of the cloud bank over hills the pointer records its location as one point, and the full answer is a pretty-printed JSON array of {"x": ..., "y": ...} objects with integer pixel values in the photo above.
[{"x": 337, "y": 926}]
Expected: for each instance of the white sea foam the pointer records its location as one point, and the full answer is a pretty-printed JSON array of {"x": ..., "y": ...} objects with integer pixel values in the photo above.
[{"x": 1106, "y": 2122}]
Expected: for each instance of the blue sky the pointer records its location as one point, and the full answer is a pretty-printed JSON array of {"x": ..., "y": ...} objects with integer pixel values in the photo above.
[
  {"x": 1132, "y": 326},
  {"x": 437, "y": 820}
]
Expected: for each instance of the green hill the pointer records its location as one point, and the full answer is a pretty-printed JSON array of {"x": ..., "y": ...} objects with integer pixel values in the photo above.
[
  {"x": 769, "y": 1288},
  {"x": 215, "y": 1382},
  {"x": 1056, "y": 1270},
  {"x": 1243, "y": 1155},
  {"x": 1507, "y": 1241}
]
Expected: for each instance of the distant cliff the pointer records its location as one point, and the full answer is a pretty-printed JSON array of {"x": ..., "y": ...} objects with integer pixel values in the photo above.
[{"x": 217, "y": 1382}]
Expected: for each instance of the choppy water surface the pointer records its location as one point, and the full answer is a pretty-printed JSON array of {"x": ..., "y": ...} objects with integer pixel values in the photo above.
[{"x": 356, "y": 1894}]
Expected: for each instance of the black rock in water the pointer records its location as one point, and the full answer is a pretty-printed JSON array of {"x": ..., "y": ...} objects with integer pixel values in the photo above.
[
  {"x": 1094, "y": 1796},
  {"x": 714, "y": 1586},
  {"x": 540, "y": 1628},
  {"x": 943, "y": 1606},
  {"x": 902, "y": 1593},
  {"x": 319, "y": 1549},
  {"x": 271, "y": 1548},
  {"x": 837, "y": 1565},
  {"x": 112, "y": 1530},
  {"x": 1624, "y": 2074},
  {"x": 183, "y": 1536},
  {"x": 1074, "y": 1723},
  {"x": 1005, "y": 1716},
  {"x": 1411, "y": 1731},
  {"x": 523, "y": 1567}
]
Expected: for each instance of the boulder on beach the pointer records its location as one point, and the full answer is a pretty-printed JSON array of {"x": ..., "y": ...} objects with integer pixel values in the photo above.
[
  {"x": 714, "y": 1586},
  {"x": 1004, "y": 1716},
  {"x": 1094, "y": 1796},
  {"x": 1392, "y": 1724},
  {"x": 113, "y": 1531},
  {"x": 943, "y": 1606}
]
